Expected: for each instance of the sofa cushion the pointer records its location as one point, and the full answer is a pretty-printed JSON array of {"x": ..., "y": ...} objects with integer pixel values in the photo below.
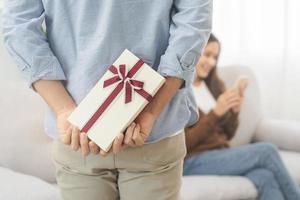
[
  {"x": 17, "y": 186},
  {"x": 217, "y": 188},
  {"x": 24, "y": 147},
  {"x": 283, "y": 133},
  {"x": 22, "y": 133}
]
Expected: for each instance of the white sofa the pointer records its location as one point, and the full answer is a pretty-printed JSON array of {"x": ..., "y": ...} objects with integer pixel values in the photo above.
[{"x": 27, "y": 172}]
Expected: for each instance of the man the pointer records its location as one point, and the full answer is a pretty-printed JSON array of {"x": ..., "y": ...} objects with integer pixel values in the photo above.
[{"x": 83, "y": 38}]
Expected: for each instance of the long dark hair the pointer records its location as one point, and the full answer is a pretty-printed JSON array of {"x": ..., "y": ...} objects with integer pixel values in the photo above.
[{"x": 213, "y": 82}]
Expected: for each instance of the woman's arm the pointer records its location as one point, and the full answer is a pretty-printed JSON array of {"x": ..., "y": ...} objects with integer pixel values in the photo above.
[
  {"x": 229, "y": 123},
  {"x": 226, "y": 104}
]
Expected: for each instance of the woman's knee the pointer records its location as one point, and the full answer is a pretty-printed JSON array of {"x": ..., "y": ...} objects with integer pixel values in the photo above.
[{"x": 266, "y": 150}]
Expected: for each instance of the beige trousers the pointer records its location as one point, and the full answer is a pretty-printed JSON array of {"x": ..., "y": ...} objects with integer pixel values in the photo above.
[{"x": 150, "y": 172}]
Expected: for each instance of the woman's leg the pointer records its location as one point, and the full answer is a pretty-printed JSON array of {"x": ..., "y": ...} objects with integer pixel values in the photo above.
[
  {"x": 241, "y": 160},
  {"x": 266, "y": 184},
  {"x": 271, "y": 160}
]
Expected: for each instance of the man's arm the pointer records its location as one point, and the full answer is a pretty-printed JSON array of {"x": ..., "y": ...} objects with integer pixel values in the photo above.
[
  {"x": 27, "y": 43},
  {"x": 163, "y": 96},
  {"x": 55, "y": 95},
  {"x": 189, "y": 31}
]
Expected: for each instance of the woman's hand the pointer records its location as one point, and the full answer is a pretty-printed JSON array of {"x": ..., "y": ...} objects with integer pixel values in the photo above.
[
  {"x": 237, "y": 108},
  {"x": 226, "y": 101}
]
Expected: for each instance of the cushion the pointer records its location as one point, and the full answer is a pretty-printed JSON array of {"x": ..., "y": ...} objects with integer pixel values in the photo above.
[
  {"x": 217, "y": 188},
  {"x": 284, "y": 133},
  {"x": 17, "y": 186},
  {"x": 22, "y": 132}
]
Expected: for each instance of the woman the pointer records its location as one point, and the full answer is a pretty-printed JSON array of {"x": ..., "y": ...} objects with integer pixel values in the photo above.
[{"x": 208, "y": 150}]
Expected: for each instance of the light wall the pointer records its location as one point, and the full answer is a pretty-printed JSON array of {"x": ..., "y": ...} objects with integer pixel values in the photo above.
[{"x": 264, "y": 35}]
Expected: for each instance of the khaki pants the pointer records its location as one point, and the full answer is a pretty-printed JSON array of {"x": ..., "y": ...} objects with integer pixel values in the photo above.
[{"x": 150, "y": 172}]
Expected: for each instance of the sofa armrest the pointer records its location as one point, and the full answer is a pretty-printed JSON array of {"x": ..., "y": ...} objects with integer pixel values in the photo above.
[{"x": 284, "y": 134}]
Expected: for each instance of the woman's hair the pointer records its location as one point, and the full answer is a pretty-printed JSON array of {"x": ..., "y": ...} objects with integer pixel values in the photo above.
[{"x": 213, "y": 82}]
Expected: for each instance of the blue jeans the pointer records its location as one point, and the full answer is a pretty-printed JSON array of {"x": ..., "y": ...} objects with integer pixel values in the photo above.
[{"x": 259, "y": 162}]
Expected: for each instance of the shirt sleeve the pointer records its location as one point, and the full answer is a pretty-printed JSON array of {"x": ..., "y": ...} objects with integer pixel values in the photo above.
[
  {"x": 27, "y": 42},
  {"x": 190, "y": 28}
]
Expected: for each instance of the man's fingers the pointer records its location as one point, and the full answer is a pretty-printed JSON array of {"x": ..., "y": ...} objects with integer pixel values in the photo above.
[
  {"x": 118, "y": 143},
  {"x": 94, "y": 148},
  {"x": 75, "y": 138},
  {"x": 129, "y": 134},
  {"x": 137, "y": 137},
  {"x": 84, "y": 144},
  {"x": 104, "y": 153}
]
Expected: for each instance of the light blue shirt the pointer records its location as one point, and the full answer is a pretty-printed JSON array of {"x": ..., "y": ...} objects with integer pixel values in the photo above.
[{"x": 84, "y": 37}]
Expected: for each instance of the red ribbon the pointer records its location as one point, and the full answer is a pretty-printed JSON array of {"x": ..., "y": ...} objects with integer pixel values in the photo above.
[{"x": 122, "y": 79}]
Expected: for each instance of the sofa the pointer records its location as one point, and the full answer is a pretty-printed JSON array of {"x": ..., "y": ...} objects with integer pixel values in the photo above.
[{"x": 27, "y": 171}]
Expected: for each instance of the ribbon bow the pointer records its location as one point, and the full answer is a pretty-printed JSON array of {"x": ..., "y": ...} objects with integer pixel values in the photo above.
[
  {"x": 127, "y": 81},
  {"x": 122, "y": 79}
]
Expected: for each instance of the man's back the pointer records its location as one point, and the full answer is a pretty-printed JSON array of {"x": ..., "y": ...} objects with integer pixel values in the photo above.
[
  {"x": 90, "y": 35},
  {"x": 85, "y": 37}
]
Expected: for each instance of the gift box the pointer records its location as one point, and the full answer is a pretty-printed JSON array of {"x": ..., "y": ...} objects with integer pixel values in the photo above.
[{"x": 116, "y": 100}]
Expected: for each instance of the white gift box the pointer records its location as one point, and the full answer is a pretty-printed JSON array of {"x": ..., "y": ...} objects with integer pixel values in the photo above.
[{"x": 103, "y": 122}]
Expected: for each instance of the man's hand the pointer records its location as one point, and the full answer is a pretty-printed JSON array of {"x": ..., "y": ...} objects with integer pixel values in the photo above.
[
  {"x": 116, "y": 147},
  {"x": 71, "y": 135},
  {"x": 139, "y": 130},
  {"x": 57, "y": 97},
  {"x": 135, "y": 135}
]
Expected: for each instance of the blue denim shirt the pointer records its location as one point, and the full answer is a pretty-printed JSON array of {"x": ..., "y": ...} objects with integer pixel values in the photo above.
[{"x": 84, "y": 37}]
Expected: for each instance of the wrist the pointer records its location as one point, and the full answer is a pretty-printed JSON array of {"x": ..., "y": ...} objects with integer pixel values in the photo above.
[
  {"x": 151, "y": 110},
  {"x": 65, "y": 109},
  {"x": 217, "y": 112}
]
